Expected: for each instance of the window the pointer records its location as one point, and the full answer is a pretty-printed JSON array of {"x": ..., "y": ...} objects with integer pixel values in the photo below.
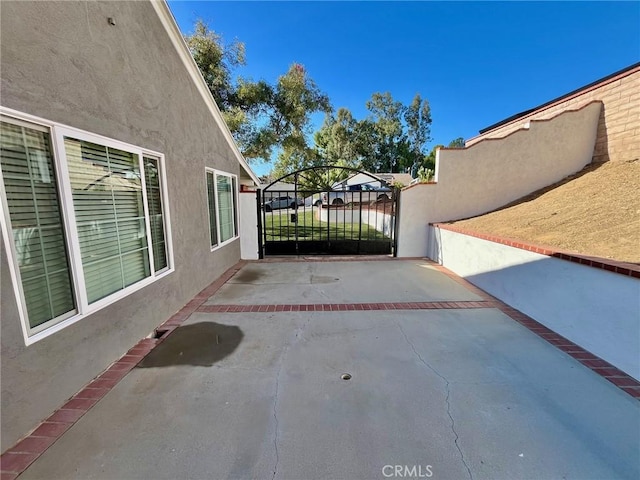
[
  {"x": 38, "y": 234},
  {"x": 222, "y": 190},
  {"x": 87, "y": 217}
]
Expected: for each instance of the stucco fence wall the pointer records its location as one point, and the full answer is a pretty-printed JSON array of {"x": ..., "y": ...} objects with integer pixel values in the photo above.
[
  {"x": 618, "y": 136},
  {"x": 594, "y": 308},
  {"x": 382, "y": 222},
  {"x": 488, "y": 175},
  {"x": 248, "y": 221}
]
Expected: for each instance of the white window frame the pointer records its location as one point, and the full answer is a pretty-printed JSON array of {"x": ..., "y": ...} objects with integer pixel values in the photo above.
[
  {"x": 57, "y": 133},
  {"x": 236, "y": 229}
]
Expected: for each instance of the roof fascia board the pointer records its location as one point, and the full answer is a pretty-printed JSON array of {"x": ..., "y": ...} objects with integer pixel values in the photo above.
[{"x": 171, "y": 27}]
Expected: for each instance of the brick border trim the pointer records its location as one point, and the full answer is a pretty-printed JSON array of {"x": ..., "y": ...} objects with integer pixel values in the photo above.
[
  {"x": 18, "y": 458},
  {"x": 622, "y": 268},
  {"x": 343, "y": 307},
  {"x": 603, "y": 368}
]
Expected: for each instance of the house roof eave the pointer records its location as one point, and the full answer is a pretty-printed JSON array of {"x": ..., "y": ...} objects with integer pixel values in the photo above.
[{"x": 171, "y": 27}]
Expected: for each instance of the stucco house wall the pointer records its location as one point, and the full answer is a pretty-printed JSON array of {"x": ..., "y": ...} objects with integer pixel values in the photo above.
[
  {"x": 618, "y": 137},
  {"x": 66, "y": 62}
]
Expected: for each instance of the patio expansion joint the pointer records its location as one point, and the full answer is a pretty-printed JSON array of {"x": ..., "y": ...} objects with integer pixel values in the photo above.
[
  {"x": 447, "y": 398},
  {"x": 275, "y": 418}
]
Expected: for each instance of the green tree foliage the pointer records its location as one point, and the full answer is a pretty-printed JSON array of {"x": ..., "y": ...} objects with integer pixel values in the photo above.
[
  {"x": 392, "y": 138},
  {"x": 429, "y": 161},
  {"x": 263, "y": 118},
  {"x": 216, "y": 61},
  {"x": 385, "y": 132},
  {"x": 457, "y": 143},
  {"x": 418, "y": 119},
  {"x": 338, "y": 141}
]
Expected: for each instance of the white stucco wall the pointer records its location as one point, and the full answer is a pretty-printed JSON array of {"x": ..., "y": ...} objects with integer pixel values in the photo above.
[
  {"x": 338, "y": 215},
  {"x": 494, "y": 172},
  {"x": 248, "y": 226},
  {"x": 382, "y": 222},
  {"x": 594, "y": 308}
]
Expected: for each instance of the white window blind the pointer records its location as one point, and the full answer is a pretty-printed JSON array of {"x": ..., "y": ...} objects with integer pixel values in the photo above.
[
  {"x": 156, "y": 217},
  {"x": 36, "y": 222},
  {"x": 211, "y": 197},
  {"x": 107, "y": 198}
]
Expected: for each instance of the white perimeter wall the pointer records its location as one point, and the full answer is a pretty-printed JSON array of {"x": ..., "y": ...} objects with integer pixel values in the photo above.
[
  {"x": 475, "y": 180},
  {"x": 248, "y": 226},
  {"x": 383, "y": 222},
  {"x": 594, "y": 308}
]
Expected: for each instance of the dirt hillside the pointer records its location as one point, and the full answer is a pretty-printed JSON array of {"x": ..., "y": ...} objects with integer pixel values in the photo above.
[{"x": 594, "y": 212}]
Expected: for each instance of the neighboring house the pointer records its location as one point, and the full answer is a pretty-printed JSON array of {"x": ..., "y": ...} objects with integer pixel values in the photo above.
[
  {"x": 119, "y": 190},
  {"x": 618, "y": 136},
  {"x": 277, "y": 189},
  {"x": 366, "y": 179},
  {"x": 524, "y": 153}
]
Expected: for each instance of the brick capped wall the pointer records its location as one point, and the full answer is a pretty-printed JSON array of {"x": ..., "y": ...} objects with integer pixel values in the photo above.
[{"x": 618, "y": 136}]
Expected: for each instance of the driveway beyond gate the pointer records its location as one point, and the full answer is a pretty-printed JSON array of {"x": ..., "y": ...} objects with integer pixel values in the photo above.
[{"x": 442, "y": 385}]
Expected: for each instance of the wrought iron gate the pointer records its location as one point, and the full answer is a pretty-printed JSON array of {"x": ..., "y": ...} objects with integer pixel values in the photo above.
[{"x": 328, "y": 211}]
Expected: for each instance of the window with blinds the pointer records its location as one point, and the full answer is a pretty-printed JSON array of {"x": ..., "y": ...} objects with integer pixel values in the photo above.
[
  {"x": 108, "y": 203},
  {"x": 211, "y": 197},
  {"x": 31, "y": 191},
  {"x": 223, "y": 210},
  {"x": 114, "y": 214},
  {"x": 156, "y": 218}
]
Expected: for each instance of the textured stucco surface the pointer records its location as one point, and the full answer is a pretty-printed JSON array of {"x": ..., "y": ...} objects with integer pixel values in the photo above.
[
  {"x": 597, "y": 309},
  {"x": 618, "y": 137},
  {"x": 490, "y": 174},
  {"x": 64, "y": 62}
]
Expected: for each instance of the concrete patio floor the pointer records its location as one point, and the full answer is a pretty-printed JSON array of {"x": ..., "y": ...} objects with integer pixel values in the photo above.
[{"x": 454, "y": 392}]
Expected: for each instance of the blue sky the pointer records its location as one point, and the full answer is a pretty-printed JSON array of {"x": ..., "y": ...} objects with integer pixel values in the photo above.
[{"x": 476, "y": 62}]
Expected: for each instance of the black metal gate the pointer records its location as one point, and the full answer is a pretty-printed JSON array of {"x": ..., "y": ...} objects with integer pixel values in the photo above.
[{"x": 328, "y": 211}]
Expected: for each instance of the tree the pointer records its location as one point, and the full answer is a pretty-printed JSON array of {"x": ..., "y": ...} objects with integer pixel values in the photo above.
[
  {"x": 430, "y": 160},
  {"x": 391, "y": 139},
  {"x": 216, "y": 61},
  {"x": 263, "y": 118},
  {"x": 457, "y": 143},
  {"x": 384, "y": 129},
  {"x": 418, "y": 119},
  {"x": 337, "y": 141}
]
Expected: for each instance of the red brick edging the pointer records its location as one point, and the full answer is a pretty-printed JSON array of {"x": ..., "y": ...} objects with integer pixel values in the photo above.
[
  {"x": 16, "y": 460},
  {"x": 343, "y": 307},
  {"x": 603, "y": 368},
  {"x": 622, "y": 268}
]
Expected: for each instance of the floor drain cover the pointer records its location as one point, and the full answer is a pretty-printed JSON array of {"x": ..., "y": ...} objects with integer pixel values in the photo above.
[{"x": 346, "y": 376}]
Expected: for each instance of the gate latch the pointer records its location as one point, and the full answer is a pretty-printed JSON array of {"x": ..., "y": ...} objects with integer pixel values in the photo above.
[{"x": 294, "y": 218}]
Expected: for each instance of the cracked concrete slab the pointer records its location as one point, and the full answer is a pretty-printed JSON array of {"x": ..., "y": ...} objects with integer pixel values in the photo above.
[{"x": 470, "y": 393}]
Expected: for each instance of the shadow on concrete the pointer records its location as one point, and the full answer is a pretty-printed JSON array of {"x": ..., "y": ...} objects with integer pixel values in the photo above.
[{"x": 199, "y": 345}]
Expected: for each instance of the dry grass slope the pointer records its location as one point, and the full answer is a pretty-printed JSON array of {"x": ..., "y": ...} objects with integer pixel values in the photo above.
[{"x": 594, "y": 212}]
